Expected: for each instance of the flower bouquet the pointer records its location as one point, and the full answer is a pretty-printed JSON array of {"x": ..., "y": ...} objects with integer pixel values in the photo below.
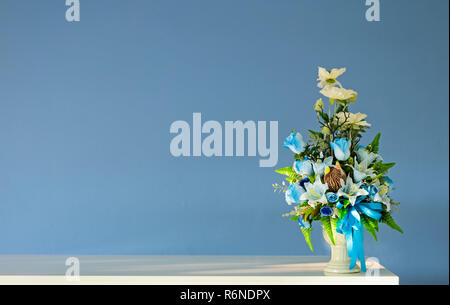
[{"x": 336, "y": 180}]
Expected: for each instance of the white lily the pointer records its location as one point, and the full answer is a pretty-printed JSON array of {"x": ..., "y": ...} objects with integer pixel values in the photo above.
[
  {"x": 366, "y": 157},
  {"x": 351, "y": 190},
  {"x": 315, "y": 192},
  {"x": 361, "y": 171},
  {"x": 319, "y": 166}
]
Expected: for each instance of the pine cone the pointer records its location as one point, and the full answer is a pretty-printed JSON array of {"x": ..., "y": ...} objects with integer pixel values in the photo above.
[{"x": 333, "y": 178}]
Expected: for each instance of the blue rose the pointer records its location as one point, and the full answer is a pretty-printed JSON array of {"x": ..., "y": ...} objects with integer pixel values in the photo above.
[
  {"x": 303, "y": 224},
  {"x": 372, "y": 190},
  {"x": 332, "y": 197},
  {"x": 326, "y": 211},
  {"x": 341, "y": 148},
  {"x": 295, "y": 143},
  {"x": 303, "y": 181},
  {"x": 304, "y": 168},
  {"x": 293, "y": 193}
]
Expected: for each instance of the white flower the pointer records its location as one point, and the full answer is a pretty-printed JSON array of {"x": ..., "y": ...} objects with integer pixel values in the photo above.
[
  {"x": 381, "y": 195},
  {"x": 328, "y": 78},
  {"x": 315, "y": 193},
  {"x": 340, "y": 94},
  {"x": 361, "y": 171},
  {"x": 319, "y": 166},
  {"x": 356, "y": 120},
  {"x": 366, "y": 157},
  {"x": 351, "y": 190}
]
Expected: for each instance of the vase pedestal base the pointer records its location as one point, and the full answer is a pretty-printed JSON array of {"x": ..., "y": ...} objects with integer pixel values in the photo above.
[
  {"x": 340, "y": 262},
  {"x": 334, "y": 268}
]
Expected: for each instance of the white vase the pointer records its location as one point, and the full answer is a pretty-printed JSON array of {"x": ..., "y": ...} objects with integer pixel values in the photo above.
[{"x": 340, "y": 262}]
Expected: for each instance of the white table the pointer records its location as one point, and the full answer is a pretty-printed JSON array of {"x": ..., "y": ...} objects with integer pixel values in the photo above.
[{"x": 181, "y": 270}]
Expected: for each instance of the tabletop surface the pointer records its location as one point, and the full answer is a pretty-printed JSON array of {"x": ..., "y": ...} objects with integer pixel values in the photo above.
[{"x": 180, "y": 269}]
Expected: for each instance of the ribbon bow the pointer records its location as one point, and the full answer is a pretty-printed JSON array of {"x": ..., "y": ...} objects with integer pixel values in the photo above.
[{"x": 350, "y": 225}]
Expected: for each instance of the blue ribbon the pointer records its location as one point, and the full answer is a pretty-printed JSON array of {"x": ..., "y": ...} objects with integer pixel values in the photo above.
[{"x": 350, "y": 225}]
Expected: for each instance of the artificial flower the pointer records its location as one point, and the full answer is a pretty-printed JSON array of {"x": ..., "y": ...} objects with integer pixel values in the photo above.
[
  {"x": 303, "y": 167},
  {"x": 339, "y": 94},
  {"x": 350, "y": 190},
  {"x": 328, "y": 78},
  {"x": 367, "y": 157},
  {"x": 341, "y": 148},
  {"x": 318, "y": 106},
  {"x": 332, "y": 197},
  {"x": 326, "y": 130},
  {"x": 319, "y": 166},
  {"x": 361, "y": 171},
  {"x": 388, "y": 182},
  {"x": 326, "y": 211},
  {"x": 315, "y": 192},
  {"x": 381, "y": 194},
  {"x": 293, "y": 193},
  {"x": 354, "y": 120},
  {"x": 303, "y": 181},
  {"x": 295, "y": 142}
]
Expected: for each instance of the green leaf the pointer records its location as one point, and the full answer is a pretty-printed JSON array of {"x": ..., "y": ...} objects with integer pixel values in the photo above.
[
  {"x": 324, "y": 116},
  {"x": 294, "y": 218},
  {"x": 375, "y": 145},
  {"x": 381, "y": 167},
  {"x": 306, "y": 212},
  {"x": 307, "y": 235},
  {"x": 314, "y": 134},
  {"x": 326, "y": 222},
  {"x": 342, "y": 213},
  {"x": 387, "y": 219},
  {"x": 288, "y": 171},
  {"x": 366, "y": 223},
  {"x": 340, "y": 107},
  {"x": 334, "y": 221}
]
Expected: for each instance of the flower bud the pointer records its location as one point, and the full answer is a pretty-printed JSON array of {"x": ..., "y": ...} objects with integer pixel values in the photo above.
[
  {"x": 326, "y": 130},
  {"x": 318, "y": 106}
]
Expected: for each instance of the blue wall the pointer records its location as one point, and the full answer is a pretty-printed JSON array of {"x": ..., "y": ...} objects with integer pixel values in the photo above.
[{"x": 85, "y": 110}]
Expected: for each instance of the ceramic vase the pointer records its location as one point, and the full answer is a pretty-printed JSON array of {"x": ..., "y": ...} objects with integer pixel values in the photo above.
[{"x": 340, "y": 261}]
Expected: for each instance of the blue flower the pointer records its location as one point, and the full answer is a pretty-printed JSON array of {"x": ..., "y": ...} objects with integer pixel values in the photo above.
[
  {"x": 341, "y": 148},
  {"x": 326, "y": 211},
  {"x": 304, "y": 168},
  {"x": 389, "y": 183},
  {"x": 295, "y": 143},
  {"x": 304, "y": 224},
  {"x": 371, "y": 190},
  {"x": 332, "y": 197},
  {"x": 293, "y": 193},
  {"x": 303, "y": 181}
]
